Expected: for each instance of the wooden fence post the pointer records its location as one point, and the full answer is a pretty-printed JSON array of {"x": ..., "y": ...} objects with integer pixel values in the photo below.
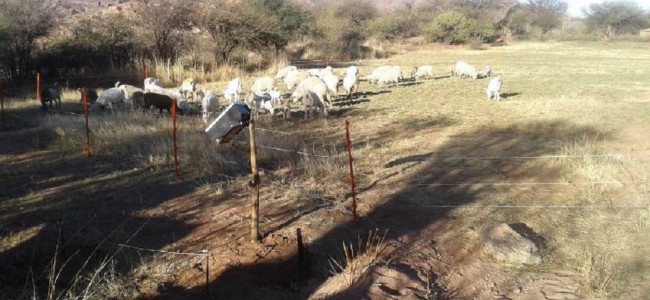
[
  {"x": 85, "y": 98},
  {"x": 255, "y": 184},
  {"x": 207, "y": 274},
  {"x": 177, "y": 172},
  {"x": 352, "y": 182}
]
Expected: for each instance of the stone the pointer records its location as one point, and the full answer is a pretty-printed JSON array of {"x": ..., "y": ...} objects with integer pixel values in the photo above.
[{"x": 507, "y": 245}]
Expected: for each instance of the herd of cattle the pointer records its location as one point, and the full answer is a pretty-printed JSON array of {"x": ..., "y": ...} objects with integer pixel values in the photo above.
[{"x": 314, "y": 89}]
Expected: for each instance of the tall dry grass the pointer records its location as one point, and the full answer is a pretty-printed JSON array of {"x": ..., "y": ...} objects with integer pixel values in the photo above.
[
  {"x": 357, "y": 259},
  {"x": 148, "y": 138},
  {"x": 173, "y": 72}
]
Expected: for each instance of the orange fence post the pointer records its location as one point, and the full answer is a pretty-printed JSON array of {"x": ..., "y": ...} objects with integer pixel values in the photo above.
[
  {"x": 38, "y": 86},
  {"x": 146, "y": 71},
  {"x": 177, "y": 172},
  {"x": 352, "y": 182},
  {"x": 2, "y": 106},
  {"x": 85, "y": 97}
]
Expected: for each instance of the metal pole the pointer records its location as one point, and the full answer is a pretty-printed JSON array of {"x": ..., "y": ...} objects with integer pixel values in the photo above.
[
  {"x": 38, "y": 86},
  {"x": 352, "y": 182},
  {"x": 85, "y": 96},
  {"x": 177, "y": 172},
  {"x": 255, "y": 184}
]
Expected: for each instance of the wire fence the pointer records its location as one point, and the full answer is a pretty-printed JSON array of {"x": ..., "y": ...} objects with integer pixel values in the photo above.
[
  {"x": 285, "y": 150},
  {"x": 434, "y": 206},
  {"x": 425, "y": 158},
  {"x": 611, "y": 155},
  {"x": 531, "y": 183}
]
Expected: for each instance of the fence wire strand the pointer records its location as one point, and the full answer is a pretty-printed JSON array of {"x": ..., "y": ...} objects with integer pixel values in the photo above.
[
  {"x": 613, "y": 155},
  {"x": 285, "y": 150}
]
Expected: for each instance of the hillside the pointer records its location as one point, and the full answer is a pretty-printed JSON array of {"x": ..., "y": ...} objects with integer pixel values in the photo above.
[{"x": 66, "y": 8}]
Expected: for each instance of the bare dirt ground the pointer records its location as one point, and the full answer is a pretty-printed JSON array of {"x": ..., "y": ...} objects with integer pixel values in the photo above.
[{"x": 431, "y": 156}]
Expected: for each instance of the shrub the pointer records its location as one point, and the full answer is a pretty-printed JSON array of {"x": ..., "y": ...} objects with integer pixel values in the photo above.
[
  {"x": 519, "y": 24},
  {"x": 389, "y": 28},
  {"x": 341, "y": 29},
  {"x": 451, "y": 28}
]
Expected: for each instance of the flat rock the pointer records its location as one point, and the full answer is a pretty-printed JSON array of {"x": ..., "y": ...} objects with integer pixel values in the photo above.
[{"x": 507, "y": 245}]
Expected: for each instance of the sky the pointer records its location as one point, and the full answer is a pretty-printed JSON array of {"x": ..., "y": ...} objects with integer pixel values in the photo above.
[{"x": 575, "y": 6}]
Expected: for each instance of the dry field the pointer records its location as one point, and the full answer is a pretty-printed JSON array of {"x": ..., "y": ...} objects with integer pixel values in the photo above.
[{"x": 564, "y": 159}]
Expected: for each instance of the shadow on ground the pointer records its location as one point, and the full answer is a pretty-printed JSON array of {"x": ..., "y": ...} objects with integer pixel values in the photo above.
[{"x": 421, "y": 203}]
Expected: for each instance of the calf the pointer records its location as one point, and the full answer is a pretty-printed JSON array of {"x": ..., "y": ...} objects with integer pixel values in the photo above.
[{"x": 51, "y": 94}]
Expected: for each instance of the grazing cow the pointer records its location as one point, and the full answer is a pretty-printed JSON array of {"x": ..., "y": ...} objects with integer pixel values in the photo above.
[
  {"x": 92, "y": 96},
  {"x": 51, "y": 94},
  {"x": 158, "y": 101}
]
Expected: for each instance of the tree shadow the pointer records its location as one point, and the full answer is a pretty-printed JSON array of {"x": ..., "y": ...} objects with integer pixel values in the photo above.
[
  {"x": 423, "y": 201},
  {"x": 81, "y": 208}
]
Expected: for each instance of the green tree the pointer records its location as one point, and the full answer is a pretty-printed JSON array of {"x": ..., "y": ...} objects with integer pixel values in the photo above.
[
  {"x": 24, "y": 23},
  {"x": 451, "y": 28},
  {"x": 293, "y": 21},
  {"x": 519, "y": 23},
  {"x": 342, "y": 28},
  {"x": 391, "y": 27},
  {"x": 613, "y": 17},
  {"x": 234, "y": 25},
  {"x": 111, "y": 35},
  {"x": 166, "y": 25},
  {"x": 353, "y": 18}
]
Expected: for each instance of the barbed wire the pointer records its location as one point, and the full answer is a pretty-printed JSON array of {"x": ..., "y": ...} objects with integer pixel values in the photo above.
[
  {"x": 285, "y": 150},
  {"x": 203, "y": 252},
  {"x": 275, "y": 131}
]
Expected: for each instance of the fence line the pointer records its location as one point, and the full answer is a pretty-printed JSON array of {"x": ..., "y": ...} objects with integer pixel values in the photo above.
[
  {"x": 31, "y": 82},
  {"x": 615, "y": 155},
  {"x": 202, "y": 253},
  {"x": 286, "y": 150},
  {"x": 529, "y": 183},
  {"x": 520, "y": 206},
  {"x": 275, "y": 131}
]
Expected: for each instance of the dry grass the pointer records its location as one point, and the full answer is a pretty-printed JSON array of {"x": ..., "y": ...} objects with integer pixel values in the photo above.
[
  {"x": 172, "y": 73},
  {"x": 576, "y": 99},
  {"x": 148, "y": 137},
  {"x": 357, "y": 259}
]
